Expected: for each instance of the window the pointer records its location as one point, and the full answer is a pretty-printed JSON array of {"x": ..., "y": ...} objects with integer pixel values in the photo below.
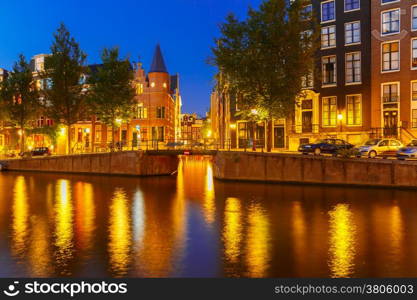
[
  {"x": 390, "y": 56},
  {"x": 139, "y": 89},
  {"x": 160, "y": 112},
  {"x": 390, "y": 21},
  {"x": 354, "y": 110},
  {"x": 142, "y": 112},
  {"x": 414, "y": 90},
  {"x": 390, "y": 92},
  {"x": 352, "y": 5},
  {"x": 161, "y": 133},
  {"x": 329, "y": 70},
  {"x": 328, "y": 11},
  {"x": 329, "y": 111},
  {"x": 388, "y": 1},
  {"x": 414, "y": 53},
  {"x": 328, "y": 37},
  {"x": 353, "y": 67},
  {"x": 414, "y": 118},
  {"x": 414, "y": 17},
  {"x": 1, "y": 140},
  {"x": 307, "y": 81},
  {"x": 307, "y": 12},
  {"x": 352, "y": 33}
]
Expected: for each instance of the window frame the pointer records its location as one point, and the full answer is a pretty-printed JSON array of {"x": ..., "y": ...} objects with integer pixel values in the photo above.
[
  {"x": 329, "y": 112},
  {"x": 353, "y": 69},
  {"x": 328, "y": 35},
  {"x": 360, "y": 112},
  {"x": 360, "y": 33},
  {"x": 332, "y": 84},
  {"x": 321, "y": 11},
  {"x": 349, "y": 10},
  {"x": 382, "y": 56},
  {"x": 399, "y": 21}
]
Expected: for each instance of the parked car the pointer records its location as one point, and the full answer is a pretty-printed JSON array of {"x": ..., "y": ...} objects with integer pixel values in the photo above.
[
  {"x": 39, "y": 151},
  {"x": 379, "y": 147},
  {"x": 410, "y": 151},
  {"x": 3, "y": 166},
  {"x": 330, "y": 146}
]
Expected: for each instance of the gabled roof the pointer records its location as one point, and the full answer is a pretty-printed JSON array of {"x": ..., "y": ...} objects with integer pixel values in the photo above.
[{"x": 158, "y": 63}]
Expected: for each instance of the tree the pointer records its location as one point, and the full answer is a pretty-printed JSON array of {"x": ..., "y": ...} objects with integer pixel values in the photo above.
[
  {"x": 20, "y": 97},
  {"x": 111, "y": 94},
  {"x": 264, "y": 58},
  {"x": 64, "y": 97}
]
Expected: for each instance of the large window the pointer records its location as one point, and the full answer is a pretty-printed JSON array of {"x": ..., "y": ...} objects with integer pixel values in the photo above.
[
  {"x": 414, "y": 53},
  {"x": 390, "y": 21},
  {"x": 142, "y": 112},
  {"x": 388, "y": 1},
  {"x": 328, "y": 37},
  {"x": 329, "y": 70},
  {"x": 328, "y": 11},
  {"x": 390, "y": 56},
  {"x": 352, "y": 33},
  {"x": 390, "y": 92},
  {"x": 160, "y": 112},
  {"x": 329, "y": 110},
  {"x": 354, "y": 109},
  {"x": 414, "y": 17},
  {"x": 414, "y": 118},
  {"x": 352, "y": 5},
  {"x": 414, "y": 91},
  {"x": 353, "y": 67}
]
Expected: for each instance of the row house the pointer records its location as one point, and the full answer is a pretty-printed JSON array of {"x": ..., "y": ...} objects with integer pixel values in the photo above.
[
  {"x": 364, "y": 83},
  {"x": 156, "y": 115}
]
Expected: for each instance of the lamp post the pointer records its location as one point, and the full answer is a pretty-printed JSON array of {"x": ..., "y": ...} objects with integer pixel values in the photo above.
[{"x": 340, "y": 119}]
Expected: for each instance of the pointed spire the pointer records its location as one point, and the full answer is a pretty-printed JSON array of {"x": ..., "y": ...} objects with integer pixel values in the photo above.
[{"x": 158, "y": 64}]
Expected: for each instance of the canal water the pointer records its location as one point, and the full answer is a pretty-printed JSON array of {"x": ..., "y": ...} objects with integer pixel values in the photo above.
[{"x": 190, "y": 225}]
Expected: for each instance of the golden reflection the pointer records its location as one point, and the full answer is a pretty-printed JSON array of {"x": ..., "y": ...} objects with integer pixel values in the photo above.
[
  {"x": 20, "y": 217},
  {"x": 396, "y": 232},
  {"x": 342, "y": 234},
  {"x": 138, "y": 219},
  {"x": 120, "y": 234},
  {"x": 209, "y": 205},
  {"x": 258, "y": 241},
  {"x": 299, "y": 229},
  {"x": 39, "y": 256},
  {"x": 85, "y": 215},
  {"x": 232, "y": 234},
  {"x": 64, "y": 226}
]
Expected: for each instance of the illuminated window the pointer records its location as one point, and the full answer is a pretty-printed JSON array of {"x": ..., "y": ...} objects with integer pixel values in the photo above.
[
  {"x": 390, "y": 21},
  {"x": 328, "y": 37},
  {"x": 354, "y": 110},
  {"x": 152, "y": 84},
  {"x": 414, "y": 118},
  {"x": 142, "y": 112},
  {"x": 352, "y": 33},
  {"x": 390, "y": 92},
  {"x": 160, "y": 112},
  {"x": 329, "y": 70},
  {"x": 390, "y": 56},
  {"x": 139, "y": 88},
  {"x": 164, "y": 85},
  {"x": 414, "y": 90},
  {"x": 1, "y": 140},
  {"x": 329, "y": 110},
  {"x": 353, "y": 67},
  {"x": 414, "y": 53}
]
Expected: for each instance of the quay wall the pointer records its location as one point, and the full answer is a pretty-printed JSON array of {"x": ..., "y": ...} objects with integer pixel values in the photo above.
[
  {"x": 135, "y": 163},
  {"x": 286, "y": 168}
]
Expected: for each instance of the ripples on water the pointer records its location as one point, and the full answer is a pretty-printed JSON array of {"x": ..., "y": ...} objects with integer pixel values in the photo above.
[{"x": 192, "y": 225}]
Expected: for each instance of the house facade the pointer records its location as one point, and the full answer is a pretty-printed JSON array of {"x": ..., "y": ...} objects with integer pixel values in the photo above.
[{"x": 364, "y": 83}]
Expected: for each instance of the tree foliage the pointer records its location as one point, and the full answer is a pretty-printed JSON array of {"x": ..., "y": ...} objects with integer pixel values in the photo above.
[
  {"x": 20, "y": 97},
  {"x": 111, "y": 93},
  {"x": 264, "y": 57},
  {"x": 64, "y": 97}
]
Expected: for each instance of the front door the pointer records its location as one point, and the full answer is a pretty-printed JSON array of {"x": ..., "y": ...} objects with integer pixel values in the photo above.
[
  {"x": 306, "y": 119},
  {"x": 390, "y": 123},
  {"x": 279, "y": 137}
]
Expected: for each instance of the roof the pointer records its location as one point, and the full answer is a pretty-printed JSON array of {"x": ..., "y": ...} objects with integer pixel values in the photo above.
[{"x": 158, "y": 63}]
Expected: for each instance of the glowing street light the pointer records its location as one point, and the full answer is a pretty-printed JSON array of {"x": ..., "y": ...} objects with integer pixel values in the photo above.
[
  {"x": 233, "y": 126},
  {"x": 340, "y": 117},
  {"x": 20, "y": 132}
]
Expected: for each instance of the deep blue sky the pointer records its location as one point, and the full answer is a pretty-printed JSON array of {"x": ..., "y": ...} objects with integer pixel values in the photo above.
[{"x": 184, "y": 28}]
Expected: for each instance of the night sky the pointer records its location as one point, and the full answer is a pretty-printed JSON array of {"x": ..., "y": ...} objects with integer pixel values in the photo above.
[{"x": 185, "y": 30}]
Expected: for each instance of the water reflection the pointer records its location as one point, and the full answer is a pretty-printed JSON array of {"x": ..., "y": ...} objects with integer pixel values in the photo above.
[
  {"x": 120, "y": 234},
  {"x": 191, "y": 225},
  {"x": 64, "y": 233},
  {"x": 257, "y": 241},
  {"x": 20, "y": 218},
  {"x": 342, "y": 233}
]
